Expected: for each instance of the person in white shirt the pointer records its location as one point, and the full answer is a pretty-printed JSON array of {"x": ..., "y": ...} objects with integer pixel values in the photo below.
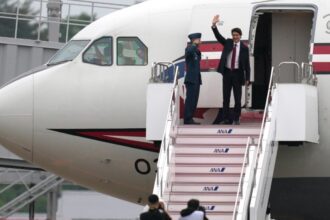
[
  {"x": 235, "y": 68},
  {"x": 192, "y": 211}
]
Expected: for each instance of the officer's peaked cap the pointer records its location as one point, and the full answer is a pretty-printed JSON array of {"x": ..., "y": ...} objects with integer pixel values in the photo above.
[{"x": 195, "y": 36}]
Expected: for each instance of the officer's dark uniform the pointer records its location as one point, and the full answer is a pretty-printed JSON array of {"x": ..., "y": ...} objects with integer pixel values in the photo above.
[{"x": 193, "y": 79}]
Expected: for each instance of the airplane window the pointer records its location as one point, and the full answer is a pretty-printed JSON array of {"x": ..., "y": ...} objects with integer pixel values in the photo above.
[
  {"x": 69, "y": 52},
  {"x": 100, "y": 52},
  {"x": 131, "y": 52}
]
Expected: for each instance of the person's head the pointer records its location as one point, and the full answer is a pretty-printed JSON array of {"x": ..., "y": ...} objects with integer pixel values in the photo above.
[
  {"x": 236, "y": 33},
  {"x": 195, "y": 38},
  {"x": 153, "y": 201},
  {"x": 193, "y": 204}
]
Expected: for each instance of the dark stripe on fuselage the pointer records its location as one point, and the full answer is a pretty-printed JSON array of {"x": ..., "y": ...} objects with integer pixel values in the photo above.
[{"x": 113, "y": 136}]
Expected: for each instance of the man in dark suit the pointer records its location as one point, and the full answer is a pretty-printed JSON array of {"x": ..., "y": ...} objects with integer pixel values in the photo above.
[
  {"x": 193, "y": 78},
  {"x": 235, "y": 69},
  {"x": 156, "y": 211}
]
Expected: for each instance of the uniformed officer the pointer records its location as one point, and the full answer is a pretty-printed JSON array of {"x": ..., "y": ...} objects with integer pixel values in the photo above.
[{"x": 193, "y": 78}]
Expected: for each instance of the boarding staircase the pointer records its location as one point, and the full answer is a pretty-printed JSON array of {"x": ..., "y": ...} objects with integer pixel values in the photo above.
[
  {"x": 32, "y": 192},
  {"x": 228, "y": 168},
  {"x": 209, "y": 161}
]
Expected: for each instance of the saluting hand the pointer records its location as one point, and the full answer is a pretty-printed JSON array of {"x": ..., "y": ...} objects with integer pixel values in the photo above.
[{"x": 215, "y": 20}]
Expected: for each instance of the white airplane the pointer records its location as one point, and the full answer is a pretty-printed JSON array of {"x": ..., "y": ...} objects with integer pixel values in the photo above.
[{"x": 83, "y": 115}]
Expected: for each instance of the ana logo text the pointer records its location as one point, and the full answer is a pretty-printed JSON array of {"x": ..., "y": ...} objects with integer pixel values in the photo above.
[
  {"x": 221, "y": 150},
  {"x": 210, "y": 207},
  {"x": 211, "y": 188},
  {"x": 224, "y": 131},
  {"x": 217, "y": 170}
]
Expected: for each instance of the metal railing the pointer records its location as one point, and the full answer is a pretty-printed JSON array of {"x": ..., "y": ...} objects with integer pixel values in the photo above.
[
  {"x": 309, "y": 77},
  {"x": 265, "y": 116},
  {"x": 253, "y": 165},
  {"x": 304, "y": 73},
  {"x": 31, "y": 192},
  {"x": 298, "y": 76},
  {"x": 246, "y": 166},
  {"x": 160, "y": 72},
  {"x": 37, "y": 19},
  {"x": 173, "y": 116}
]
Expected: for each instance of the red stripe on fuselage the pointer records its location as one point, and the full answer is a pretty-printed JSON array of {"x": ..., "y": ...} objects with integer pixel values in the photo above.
[
  {"x": 321, "y": 66},
  {"x": 210, "y": 47},
  {"x": 321, "y": 49},
  {"x": 214, "y": 46},
  {"x": 209, "y": 64}
]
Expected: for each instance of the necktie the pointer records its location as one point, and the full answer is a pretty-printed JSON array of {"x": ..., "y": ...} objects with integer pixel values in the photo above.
[{"x": 233, "y": 58}]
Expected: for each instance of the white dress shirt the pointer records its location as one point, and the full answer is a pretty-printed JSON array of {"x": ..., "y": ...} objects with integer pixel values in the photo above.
[{"x": 238, "y": 47}]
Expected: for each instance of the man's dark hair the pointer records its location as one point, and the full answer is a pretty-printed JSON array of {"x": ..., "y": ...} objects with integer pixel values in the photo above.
[
  {"x": 237, "y": 30},
  {"x": 153, "y": 199},
  {"x": 193, "y": 204}
]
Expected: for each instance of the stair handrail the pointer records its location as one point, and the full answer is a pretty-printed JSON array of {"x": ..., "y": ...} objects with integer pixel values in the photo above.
[
  {"x": 311, "y": 79},
  {"x": 263, "y": 124},
  {"x": 21, "y": 179},
  {"x": 258, "y": 150},
  {"x": 172, "y": 120},
  {"x": 265, "y": 116},
  {"x": 240, "y": 184},
  {"x": 158, "y": 71},
  {"x": 28, "y": 196},
  {"x": 289, "y": 63},
  {"x": 308, "y": 74}
]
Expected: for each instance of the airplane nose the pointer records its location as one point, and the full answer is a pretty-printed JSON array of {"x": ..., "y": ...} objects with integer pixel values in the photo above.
[{"x": 16, "y": 117}]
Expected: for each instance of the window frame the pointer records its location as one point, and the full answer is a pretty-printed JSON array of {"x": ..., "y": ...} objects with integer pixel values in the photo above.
[
  {"x": 91, "y": 44},
  {"x": 66, "y": 45},
  {"x": 130, "y": 37}
]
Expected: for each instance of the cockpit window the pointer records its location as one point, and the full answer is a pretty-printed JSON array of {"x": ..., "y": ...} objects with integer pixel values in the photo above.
[
  {"x": 131, "y": 51},
  {"x": 69, "y": 52},
  {"x": 100, "y": 52}
]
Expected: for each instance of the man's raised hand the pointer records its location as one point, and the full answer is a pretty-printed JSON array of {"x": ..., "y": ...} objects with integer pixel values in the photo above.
[{"x": 215, "y": 20}]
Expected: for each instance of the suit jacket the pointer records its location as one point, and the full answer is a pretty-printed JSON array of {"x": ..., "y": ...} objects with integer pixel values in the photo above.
[
  {"x": 154, "y": 214},
  {"x": 193, "y": 58},
  {"x": 244, "y": 60}
]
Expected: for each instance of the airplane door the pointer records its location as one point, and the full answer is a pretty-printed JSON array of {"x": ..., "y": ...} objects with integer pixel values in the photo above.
[{"x": 201, "y": 21}]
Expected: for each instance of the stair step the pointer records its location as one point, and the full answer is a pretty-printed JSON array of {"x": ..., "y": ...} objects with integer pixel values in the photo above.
[
  {"x": 219, "y": 130},
  {"x": 207, "y": 166},
  {"x": 204, "y": 198},
  {"x": 210, "y": 208},
  {"x": 203, "y": 140},
  {"x": 225, "y": 216},
  {"x": 207, "y": 179},
  {"x": 209, "y": 150},
  {"x": 200, "y": 160},
  {"x": 205, "y": 188},
  {"x": 208, "y": 170},
  {"x": 202, "y": 203}
]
